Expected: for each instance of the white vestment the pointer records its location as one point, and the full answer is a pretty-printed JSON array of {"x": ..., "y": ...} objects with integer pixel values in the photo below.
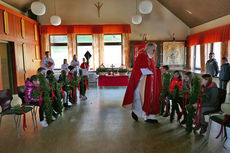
[
  {"x": 75, "y": 64},
  {"x": 137, "y": 106},
  {"x": 45, "y": 61},
  {"x": 64, "y": 67}
]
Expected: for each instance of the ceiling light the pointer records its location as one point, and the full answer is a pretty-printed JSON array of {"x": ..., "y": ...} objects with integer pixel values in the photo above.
[
  {"x": 38, "y": 8},
  {"x": 145, "y": 7}
]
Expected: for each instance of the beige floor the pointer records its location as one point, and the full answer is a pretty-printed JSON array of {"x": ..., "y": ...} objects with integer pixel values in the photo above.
[{"x": 100, "y": 125}]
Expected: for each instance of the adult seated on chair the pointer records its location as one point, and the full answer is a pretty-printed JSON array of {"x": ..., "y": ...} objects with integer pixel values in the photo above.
[
  {"x": 210, "y": 103},
  {"x": 31, "y": 85}
]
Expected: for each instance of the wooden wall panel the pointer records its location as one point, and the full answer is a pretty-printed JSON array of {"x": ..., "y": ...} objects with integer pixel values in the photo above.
[
  {"x": 17, "y": 27},
  {"x": 11, "y": 19},
  {"x": 29, "y": 30},
  {"x": 1, "y": 22},
  {"x": 19, "y": 64},
  {"x": 31, "y": 65}
]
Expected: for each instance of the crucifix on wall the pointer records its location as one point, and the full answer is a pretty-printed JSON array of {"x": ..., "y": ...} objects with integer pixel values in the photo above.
[{"x": 98, "y": 6}]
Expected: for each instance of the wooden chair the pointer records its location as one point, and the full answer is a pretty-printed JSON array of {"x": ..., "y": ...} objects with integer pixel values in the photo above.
[
  {"x": 21, "y": 94},
  {"x": 5, "y": 103}
]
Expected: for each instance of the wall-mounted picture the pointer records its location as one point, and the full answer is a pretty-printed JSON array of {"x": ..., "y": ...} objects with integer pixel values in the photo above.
[{"x": 174, "y": 53}]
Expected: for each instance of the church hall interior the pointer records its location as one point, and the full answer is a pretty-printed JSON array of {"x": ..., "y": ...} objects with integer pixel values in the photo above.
[{"x": 114, "y": 76}]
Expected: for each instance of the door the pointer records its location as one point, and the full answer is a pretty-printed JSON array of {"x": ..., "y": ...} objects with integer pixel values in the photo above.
[{"x": 4, "y": 66}]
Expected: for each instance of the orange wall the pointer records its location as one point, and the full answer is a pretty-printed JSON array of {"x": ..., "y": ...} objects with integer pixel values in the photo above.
[{"x": 26, "y": 63}]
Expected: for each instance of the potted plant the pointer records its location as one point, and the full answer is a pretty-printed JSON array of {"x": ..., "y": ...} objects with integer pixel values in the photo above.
[
  {"x": 101, "y": 71},
  {"x": 123, "y": 71}
]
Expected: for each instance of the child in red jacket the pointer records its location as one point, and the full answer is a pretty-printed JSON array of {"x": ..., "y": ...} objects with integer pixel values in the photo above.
[{"x": 176, "y": 80}]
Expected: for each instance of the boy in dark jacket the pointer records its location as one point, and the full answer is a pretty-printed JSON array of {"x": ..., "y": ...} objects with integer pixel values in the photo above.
[
  {"x": 224, "y": 73},
  {"x": 212, "y": 65}
]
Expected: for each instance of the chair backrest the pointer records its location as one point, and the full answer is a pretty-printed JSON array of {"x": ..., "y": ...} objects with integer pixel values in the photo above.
[
  {"x": 221, "y": 97},
  {"x": 5, "y": 99},
  {"x": 21, "y": 93}
]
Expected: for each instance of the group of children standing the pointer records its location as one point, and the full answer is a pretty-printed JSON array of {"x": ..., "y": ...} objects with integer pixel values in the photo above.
[
  {"x": 61, "y": 92},
  {"x": 169, "y": 82}
]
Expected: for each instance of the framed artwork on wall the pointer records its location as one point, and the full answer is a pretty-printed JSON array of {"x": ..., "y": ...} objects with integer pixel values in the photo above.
[{"x": 174, "y": 53}]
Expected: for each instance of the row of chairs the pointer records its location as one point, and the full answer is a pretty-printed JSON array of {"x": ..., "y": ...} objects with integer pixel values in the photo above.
[{"x": 5, "y": 104}]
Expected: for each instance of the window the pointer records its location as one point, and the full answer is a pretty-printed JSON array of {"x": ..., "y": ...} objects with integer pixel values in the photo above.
[
  {"x": 208, "y": 49},
  {"x": 84, "y": 44},
  {"x": 192, "y": 57},
  {"x": 197, "y": 64},
  {"x": 59, "y": 49},
  {"x": 216, "y": 49},
  {"x": 217, "y": 52},
  {"x": 113, "y": 50}
]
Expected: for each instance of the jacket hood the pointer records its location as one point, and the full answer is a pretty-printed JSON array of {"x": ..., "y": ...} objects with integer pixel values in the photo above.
[{"x": 29, "y": 84}]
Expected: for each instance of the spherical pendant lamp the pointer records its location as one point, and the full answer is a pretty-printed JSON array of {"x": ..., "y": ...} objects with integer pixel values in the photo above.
[
  {"x": 137, "y": 19},
  {"x": 145, "y": 7},
  {"x": 38, "y": 8},
  {"x": 55, "y": 20}
]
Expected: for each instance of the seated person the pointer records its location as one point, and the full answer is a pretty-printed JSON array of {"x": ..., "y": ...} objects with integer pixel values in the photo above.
[
  {"x": 33, "y": 84},
  {"x": 49, "y": 73},
  {"x": 64, "y": 81},
  {"x": 210, "y": 103},
  {"x": 42, "y": 71},
  {"x": 65, "y": 65}
]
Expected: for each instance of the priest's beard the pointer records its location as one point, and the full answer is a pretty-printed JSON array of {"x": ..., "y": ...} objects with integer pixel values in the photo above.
[{"x": 150, "y": 55}]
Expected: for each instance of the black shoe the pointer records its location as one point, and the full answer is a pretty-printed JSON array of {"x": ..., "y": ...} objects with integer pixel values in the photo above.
[
  {"x": 166, "y": 115},
  {"x": 134, "y": 116},
  {"x": 171, "y": 119},
  {"x": 151, "y": 121},
  {"x": 179, "y": 115},
  {"x": 183, "y": 122},
  {"x": 66, "y": 105},
  {"x": 203, "y": 129},
  {"x": 195, "y": 129}
]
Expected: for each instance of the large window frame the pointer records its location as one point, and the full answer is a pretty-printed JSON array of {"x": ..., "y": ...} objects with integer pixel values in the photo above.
[
  {"x": 116, "y": 43},
  {"x": 57, "y": 45},
  {"x": 84, "y": 44},
  {"x": 195, "y": 58}
]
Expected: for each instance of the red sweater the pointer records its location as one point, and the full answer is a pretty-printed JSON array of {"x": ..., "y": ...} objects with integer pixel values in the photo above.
[
  {"x": 175, "y": 81},
  {"x": 84, "y": 65}
]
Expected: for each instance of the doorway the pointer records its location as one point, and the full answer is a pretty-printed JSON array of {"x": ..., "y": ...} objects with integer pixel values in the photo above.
[{"x": 6, "y": 66}]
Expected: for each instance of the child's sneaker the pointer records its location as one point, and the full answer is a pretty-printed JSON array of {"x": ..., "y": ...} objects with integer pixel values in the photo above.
[
  {"x": 43, "y": 123},
  {"x": 83, "y": 98},
  {"x": 69, "y": 103},
  {"x": 53, "y": 118}
]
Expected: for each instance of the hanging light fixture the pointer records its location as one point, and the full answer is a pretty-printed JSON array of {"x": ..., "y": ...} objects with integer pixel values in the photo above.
[
  {"x": 55, "y": 20},
  {"x": 145, "y": 7},
  {"x": 137, "y": 19},
  {"x": 38, "y": 8}
]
